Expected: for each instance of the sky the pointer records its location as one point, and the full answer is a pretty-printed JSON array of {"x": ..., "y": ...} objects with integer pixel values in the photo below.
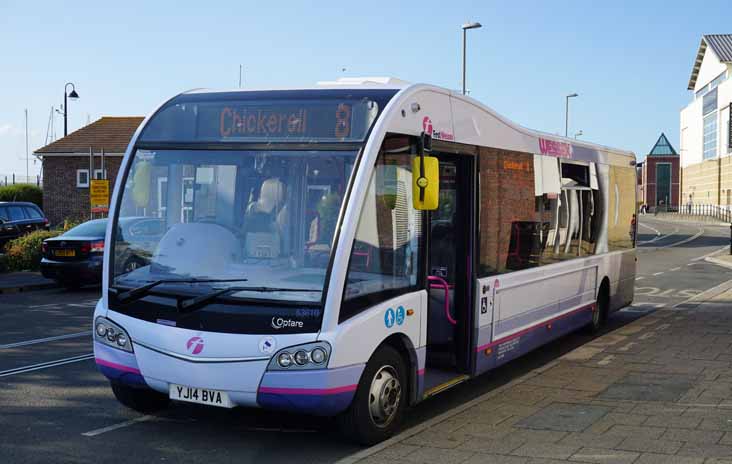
[{"x": 629, "y": 61}]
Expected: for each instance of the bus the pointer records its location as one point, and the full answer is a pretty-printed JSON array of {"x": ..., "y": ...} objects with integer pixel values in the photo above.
[{"x": 350, "y": 249}]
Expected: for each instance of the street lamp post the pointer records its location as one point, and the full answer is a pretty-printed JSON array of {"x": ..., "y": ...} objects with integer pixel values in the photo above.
[
  {"x": 566, "y": 113},
  {"x": 465, "y": 27},
  {"x": 578, "y": 133},
  {"x": 74, "y": 96}
]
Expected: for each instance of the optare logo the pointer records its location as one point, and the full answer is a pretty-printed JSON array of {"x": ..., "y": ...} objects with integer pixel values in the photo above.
[
  {"x": 281, "y": 323},
  {"x": 427, "y": 125},
  {"x": 195, "y": 345}
]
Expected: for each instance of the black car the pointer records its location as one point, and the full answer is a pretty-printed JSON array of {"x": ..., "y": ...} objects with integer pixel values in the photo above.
[
  {"x": 75, "y": 257},
  {"x": 19, "y": 218}
]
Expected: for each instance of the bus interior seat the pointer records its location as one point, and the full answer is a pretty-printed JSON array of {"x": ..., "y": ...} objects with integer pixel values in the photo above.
[{"x": 197, "y": 248}]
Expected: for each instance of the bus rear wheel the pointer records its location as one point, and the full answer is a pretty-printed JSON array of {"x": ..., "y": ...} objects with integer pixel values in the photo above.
[
  {"x": 378, "y": 407},
  {"x": 139, "y": 399},
  {"x": 599, "y": 313}
]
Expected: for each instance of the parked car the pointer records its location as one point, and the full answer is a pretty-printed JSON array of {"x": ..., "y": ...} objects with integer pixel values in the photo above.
[
  {"x": 75, "y": 257},
  {"x": 19, "y": 218}
]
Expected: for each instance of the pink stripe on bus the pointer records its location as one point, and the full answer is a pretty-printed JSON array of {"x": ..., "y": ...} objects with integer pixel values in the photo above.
[
  {"x": 119, "y": 367},
  {"x": 529, "y": 329},
  {"x": 308, "y": 391}
]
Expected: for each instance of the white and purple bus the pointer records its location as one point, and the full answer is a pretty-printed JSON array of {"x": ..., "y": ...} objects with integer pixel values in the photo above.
[{"x": 351, "y": 249}]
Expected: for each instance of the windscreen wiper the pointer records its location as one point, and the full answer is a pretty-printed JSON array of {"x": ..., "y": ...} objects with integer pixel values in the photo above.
[
  {"x": 138, "y": 292},
  {"x": 200, "y": 301}
]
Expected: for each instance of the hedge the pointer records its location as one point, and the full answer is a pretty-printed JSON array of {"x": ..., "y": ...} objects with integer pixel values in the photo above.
[
  {"x": 25, "y": 253},
  {"x": 22, "y": 192}
]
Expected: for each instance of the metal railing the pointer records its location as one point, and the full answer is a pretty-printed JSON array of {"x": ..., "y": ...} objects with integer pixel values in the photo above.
[
  {"x": 722, "y": 213},
  {"x": 12, "y": 179}
]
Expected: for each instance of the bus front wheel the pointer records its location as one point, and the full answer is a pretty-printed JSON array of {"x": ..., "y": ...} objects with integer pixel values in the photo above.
[
  {"x": 139, "y": 399},
  {"x": 380, "y": 400}
]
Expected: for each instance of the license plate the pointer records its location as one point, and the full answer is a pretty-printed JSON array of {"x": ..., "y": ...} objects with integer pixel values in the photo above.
[
  {"x": 65, "y": 253},
  {"x": 200, "y": 396}
]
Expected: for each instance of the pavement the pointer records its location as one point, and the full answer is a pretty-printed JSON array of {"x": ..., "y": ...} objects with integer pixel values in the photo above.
[
  {"x": 655, "y": 386},
  {"x": 14, "y": 282}
]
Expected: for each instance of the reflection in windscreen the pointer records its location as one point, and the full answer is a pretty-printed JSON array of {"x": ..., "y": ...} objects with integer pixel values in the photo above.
[{"x": 267, "y": 216}]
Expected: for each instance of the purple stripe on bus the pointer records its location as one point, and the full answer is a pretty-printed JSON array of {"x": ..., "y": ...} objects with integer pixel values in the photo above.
[
  {"x": 587, "y": 308},
  {"x": 517, "y": 345}
]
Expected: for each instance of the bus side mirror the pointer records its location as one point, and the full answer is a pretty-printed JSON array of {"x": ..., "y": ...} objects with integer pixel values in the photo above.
[
  {"x": 425, "y": 183},
  {"x": 141, "y": 188}
]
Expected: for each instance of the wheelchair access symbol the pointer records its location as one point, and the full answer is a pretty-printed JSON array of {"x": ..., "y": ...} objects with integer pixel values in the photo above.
[{"x": 389, "y": 318}]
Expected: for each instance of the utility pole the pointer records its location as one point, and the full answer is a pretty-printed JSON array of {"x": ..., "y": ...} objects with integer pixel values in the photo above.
[
  {"x": 241, "y": 70},
  {"x": 27, "y": 172}
]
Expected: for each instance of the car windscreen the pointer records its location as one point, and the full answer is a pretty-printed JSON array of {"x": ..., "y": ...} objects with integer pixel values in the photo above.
[{"x": 95, "y": 228}]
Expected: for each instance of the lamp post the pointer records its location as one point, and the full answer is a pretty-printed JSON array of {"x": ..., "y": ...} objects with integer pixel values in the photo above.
[
  {"x": 566, "y": 113},
  {"x": 578, "y": 133},
  {"x": 465, "y": 27},
  {"x": 74, "y": 96}
]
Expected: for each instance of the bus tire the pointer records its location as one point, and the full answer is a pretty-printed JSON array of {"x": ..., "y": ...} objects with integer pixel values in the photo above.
[
  {"x": 378, "y": 406},
  {"x": 139, "y": 399},
  {"x": 599, "y": 315}
]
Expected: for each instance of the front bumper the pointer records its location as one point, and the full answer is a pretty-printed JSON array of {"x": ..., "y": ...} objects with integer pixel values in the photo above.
[{"x": 323, "y": 392}]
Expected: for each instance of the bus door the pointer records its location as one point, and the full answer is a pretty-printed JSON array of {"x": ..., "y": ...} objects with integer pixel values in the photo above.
[{"x": 449, "y": 270}]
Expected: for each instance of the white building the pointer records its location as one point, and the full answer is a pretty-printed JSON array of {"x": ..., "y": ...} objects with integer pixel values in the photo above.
[{"x": 705, "y": 125}]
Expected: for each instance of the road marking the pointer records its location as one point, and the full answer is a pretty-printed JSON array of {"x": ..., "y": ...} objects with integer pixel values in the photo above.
[
  {"x": 658, "y": 234},
  {"x": 687, "y": 240},
  {"x": 674, "y": 268},
  {"x": 660, "y": 237},
  {"x": 44, "y": 340},
  {"x": 706, "y": 294},
  {"x": 691, "y": 264},
  {"x": 647, "y": 335},
  {"x": 658, "y": 273},
  {"x": 699, "y": 258},
  {"x": 46, "y": 365},
  {"x": 94, "y": 433},
  {"x": 663, "y": 326},
  {"x": 639, "y": 278}
]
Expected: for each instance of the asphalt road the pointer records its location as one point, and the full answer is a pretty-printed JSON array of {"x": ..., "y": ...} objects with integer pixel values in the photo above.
[{"x": 56, "y": 407}]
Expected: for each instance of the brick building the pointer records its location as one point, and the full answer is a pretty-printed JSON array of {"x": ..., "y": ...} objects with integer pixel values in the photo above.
[
  {"x": 660, "y": 175},
  {"x": 70, "y": 162}
]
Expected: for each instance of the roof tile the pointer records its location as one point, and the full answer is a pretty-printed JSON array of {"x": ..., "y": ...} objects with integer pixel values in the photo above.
[{"x": 111, "y": 134}]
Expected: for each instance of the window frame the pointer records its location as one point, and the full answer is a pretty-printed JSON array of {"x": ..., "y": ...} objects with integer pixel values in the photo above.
[
  {"x": 356, "y": 305},
  {"x": 79, "y": 183}
]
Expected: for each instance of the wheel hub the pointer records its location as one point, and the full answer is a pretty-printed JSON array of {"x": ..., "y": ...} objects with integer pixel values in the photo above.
[{"x": 384, "y": 396}]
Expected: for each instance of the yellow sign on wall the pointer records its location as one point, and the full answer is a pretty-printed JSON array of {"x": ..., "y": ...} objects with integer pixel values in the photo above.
[{"x": 99, "y": 195}]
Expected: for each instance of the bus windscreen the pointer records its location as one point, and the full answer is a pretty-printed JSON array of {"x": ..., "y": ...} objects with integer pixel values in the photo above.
[{"x": 327, "y": 120}]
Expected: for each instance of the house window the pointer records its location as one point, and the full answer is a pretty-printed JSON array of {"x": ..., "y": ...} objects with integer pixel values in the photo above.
[
  {"x": 82, "y": 178},
  {"x": 99, "y": 175},
  {"x": 710, "y": 136}
]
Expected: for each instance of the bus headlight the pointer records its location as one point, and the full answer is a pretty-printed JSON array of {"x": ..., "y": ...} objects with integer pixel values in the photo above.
[
  {"x": 108, "y": 333},
  {"x": 300, "y": 357}
]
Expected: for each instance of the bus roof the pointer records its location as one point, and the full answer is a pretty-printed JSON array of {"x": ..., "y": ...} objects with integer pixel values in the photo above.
[{"x": 381, "y": 89}]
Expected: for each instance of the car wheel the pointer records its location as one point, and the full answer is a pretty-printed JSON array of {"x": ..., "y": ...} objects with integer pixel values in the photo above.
[
  {"x": 139, "y": 399},
  {"x": 378, "y": 407}
]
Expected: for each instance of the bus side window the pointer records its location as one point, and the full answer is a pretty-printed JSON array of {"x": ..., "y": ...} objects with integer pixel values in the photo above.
[{"x": 513, "y": 223}]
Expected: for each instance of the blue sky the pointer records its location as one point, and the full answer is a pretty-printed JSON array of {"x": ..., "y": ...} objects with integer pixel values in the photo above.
[{"x": 629, "y": 60}]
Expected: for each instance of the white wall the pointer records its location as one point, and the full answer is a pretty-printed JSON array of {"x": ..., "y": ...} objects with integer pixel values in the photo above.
[
  {"x": 691, "y": 121},
  {"x": 711, "y": 67}
]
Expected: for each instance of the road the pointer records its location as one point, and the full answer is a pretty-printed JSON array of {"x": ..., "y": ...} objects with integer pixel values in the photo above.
[{"x": 56, "y": 407}]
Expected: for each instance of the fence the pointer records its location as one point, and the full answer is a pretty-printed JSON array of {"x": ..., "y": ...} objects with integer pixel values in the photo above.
[
  {"x": 707, "y": 212},
  {"x": 12, "y": 179}
]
